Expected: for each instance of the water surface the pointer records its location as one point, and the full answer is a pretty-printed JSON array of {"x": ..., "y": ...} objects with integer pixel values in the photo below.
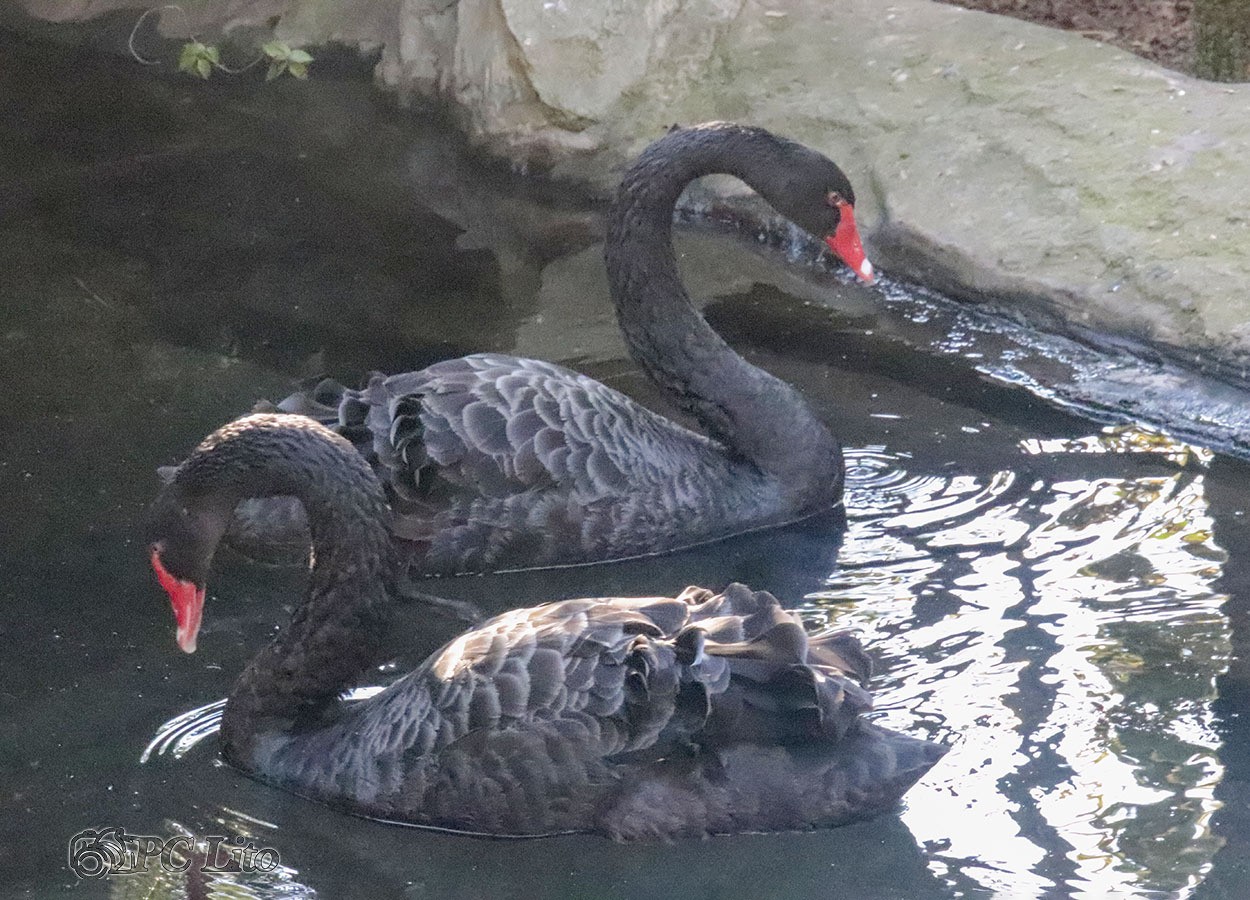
[{"x": 1057, "y": 598}]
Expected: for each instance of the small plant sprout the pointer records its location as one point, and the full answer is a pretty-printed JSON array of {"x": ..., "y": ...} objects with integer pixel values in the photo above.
[
  {"x": 283, "y": 58},
  {"x": 198, "y": 59}
]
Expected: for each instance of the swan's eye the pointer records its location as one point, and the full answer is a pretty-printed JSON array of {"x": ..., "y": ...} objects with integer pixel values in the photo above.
[{"x": 836, "y": 200}]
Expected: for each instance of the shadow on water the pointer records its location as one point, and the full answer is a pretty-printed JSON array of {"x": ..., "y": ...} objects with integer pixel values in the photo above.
[{"x": 1055, "y": 599}]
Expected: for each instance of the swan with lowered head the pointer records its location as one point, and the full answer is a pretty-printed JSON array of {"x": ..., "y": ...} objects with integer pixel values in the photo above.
[
  {"x": 635, "y": 718},
  {"x": 493, "y": 462}
]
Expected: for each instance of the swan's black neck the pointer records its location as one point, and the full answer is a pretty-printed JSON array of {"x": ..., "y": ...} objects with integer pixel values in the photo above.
[
  {"x": 336, "y": 632},
  {"x": 752, "y": 413}
]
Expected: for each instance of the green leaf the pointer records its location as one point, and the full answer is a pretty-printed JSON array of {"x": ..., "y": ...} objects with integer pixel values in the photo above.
[
  {"x": 300, "y": 56},
  {"x": 198, "y": 58},
  {"x": 276, "y": 68},
  {"x": 299, "y": 70},
  {"x": 188, "y": 57},
  {"x": 277, "y": 50}
]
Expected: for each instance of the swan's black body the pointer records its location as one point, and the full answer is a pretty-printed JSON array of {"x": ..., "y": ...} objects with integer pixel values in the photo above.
[
  {"x": 634, "y": 718},
  {"x": 493, "y": 462}
]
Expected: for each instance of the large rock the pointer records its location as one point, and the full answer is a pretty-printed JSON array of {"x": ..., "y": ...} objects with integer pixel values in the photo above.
[{"x": 995, "y": 160}]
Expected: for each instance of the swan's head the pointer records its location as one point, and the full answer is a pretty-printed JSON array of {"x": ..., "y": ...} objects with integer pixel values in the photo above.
[
  {"x": 184, "y": 531},
  {"x": 257, "y": 456},
  {"x": 813, "y": 193}
]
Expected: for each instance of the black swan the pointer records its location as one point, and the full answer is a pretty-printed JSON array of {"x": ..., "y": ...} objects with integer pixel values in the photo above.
[
  {"x": 635, "y": 718},
  {"x": 493, "y": 462}
]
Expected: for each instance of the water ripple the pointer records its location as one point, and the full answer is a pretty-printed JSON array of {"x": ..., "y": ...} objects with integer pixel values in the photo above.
[{"x": 180, "y": 734}]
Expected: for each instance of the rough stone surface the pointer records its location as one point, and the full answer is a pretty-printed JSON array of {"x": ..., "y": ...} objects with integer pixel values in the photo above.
[
  {"x": 1000, "y": 160},
  {"x": 995, "y": 160}
]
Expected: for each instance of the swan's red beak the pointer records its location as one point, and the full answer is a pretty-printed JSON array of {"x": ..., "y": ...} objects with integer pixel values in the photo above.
[
  {"x": 187, "y": 600},
  {"x": 846, "y": 245}
]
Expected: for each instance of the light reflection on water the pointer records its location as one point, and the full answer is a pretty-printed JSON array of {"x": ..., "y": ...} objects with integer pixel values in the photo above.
[
  {"x": 1064, "y": 638},
  {"x": 265, "y": 881}
]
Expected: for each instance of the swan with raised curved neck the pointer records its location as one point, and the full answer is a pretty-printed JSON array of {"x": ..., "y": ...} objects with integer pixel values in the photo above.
[
  {"x": 494, "y": 462},
  {"x": 635, "y": 718}
]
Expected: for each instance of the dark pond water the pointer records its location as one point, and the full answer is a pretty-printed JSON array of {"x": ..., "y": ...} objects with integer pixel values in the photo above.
[{"x": 1061, "y": 601}]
